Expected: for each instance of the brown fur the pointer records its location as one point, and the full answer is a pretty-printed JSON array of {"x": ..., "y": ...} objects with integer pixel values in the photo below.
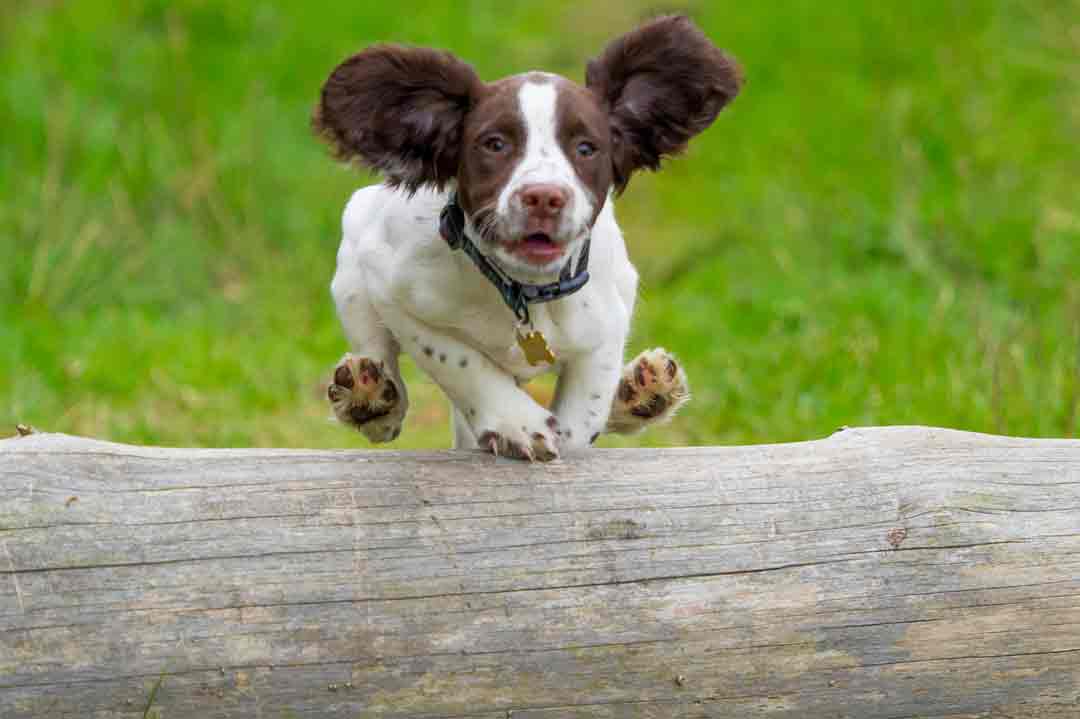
[
  {"x": 582, "y": 118},
  {"x": 482, "y": 174},
  {"x": 400, "y": 110},
  {"x": 662, "y": 83},
  {"x": 421, "y": 116}
]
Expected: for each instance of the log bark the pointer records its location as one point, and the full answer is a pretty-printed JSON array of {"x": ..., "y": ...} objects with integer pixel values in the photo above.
[{"x": 885, "y": 573}]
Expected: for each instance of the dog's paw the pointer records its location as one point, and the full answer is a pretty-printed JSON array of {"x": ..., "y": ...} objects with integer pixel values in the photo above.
[
  {"x": 535, "y": 441},
  {"x": 365, "y": 396},
  {"x": 652, "y": 389}
]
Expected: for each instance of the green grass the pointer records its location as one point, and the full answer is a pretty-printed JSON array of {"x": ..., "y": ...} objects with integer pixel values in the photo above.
[{"x": 884, "y": 228}]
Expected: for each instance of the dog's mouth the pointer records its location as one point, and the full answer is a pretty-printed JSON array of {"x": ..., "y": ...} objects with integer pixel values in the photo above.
[{"x": 538, "y": 248}]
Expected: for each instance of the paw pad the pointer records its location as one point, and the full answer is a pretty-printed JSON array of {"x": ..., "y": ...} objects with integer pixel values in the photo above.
[
  {"x": 364, "y": 395},
  {"x": 652, "y": 388}
]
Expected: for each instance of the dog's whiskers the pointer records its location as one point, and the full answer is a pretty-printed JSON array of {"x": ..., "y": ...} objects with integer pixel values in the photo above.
[{"x": 485, "y": 222}]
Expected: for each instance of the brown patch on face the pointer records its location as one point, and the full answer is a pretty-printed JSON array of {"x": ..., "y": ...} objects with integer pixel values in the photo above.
[
  {"x": 493, "y": 143},
  {"x": 495, "y": 138},
  {"x": 583, "y": 132}
]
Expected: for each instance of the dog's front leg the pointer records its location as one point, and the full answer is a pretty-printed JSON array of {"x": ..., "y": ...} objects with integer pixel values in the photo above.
[
  {"x": 503, "y": 418},
  {"x": 585, "y": 392}
]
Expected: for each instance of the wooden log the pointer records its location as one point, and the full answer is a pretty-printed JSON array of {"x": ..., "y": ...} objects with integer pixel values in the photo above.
[{"x": 891, "y": 572}]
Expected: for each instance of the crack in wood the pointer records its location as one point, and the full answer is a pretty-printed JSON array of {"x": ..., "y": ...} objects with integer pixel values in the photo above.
[
  {"x": 14, "y": 577},
  {"x": 971, "y": 657}
]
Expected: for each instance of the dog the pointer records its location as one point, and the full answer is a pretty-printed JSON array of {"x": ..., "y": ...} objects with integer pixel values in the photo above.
[{"x": 491, "y": 254}]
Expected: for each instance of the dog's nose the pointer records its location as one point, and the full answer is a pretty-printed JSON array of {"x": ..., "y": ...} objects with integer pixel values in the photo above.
[{"x": 544, "y": 200}]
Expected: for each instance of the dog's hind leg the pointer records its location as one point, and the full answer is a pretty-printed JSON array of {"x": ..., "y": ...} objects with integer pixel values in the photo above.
[
  {"x": 652, "y": 388},
  {"x": 367, "y": 391}
]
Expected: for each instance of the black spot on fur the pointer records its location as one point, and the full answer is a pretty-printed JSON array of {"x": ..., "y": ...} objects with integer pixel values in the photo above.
[
  {"x": 428, "y": 351},
  {"x": 463, "y": 363}
]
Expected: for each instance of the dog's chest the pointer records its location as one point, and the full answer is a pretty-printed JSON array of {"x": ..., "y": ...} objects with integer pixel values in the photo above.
[
  {"x": 454, "y": 298},
  {"x": 490, "y": 327},
  {"x": 521, "y": 350}
]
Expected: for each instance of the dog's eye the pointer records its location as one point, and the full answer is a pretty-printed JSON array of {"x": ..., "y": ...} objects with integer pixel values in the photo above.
[
  {"x": 495, "y": 144},
  {"x": 586, "y": 149}
]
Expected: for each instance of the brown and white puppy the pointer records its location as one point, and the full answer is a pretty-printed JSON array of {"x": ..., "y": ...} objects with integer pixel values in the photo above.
[{"x": 534, "y": 160}]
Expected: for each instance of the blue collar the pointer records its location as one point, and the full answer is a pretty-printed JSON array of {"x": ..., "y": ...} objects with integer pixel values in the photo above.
[{"x": 517, "y": 295}]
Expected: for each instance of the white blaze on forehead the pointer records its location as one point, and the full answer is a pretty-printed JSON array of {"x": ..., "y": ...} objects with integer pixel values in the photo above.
[{"x": 544, "y": 160}]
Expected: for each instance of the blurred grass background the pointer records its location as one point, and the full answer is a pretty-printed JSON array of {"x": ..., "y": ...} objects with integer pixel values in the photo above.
[{"x": 884, "y": 228}]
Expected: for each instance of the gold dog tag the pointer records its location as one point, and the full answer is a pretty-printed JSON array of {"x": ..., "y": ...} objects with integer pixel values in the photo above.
[{"x": 535, "y": 347}]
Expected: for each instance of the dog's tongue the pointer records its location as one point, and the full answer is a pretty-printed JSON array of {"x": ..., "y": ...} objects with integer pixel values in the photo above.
[{"x": 538, "y": 248}]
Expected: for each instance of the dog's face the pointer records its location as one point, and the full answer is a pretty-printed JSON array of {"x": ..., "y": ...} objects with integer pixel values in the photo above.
[
  {"x": 535, "y": 170},
  {"x": 533, "y": 157}
]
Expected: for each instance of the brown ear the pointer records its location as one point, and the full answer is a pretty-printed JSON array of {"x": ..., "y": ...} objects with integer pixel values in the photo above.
[
  {"x": 399, "y": 110},
  {"x": 662, "y": 83}
]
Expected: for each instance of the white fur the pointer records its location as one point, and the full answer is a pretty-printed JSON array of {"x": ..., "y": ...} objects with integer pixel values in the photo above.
[
  {"x": 544, "y": 160},
  {"x": 398, "y": 286}
]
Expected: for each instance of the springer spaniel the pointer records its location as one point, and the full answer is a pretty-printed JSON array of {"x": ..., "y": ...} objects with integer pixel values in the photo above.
[{"x": 491, "y": 252}]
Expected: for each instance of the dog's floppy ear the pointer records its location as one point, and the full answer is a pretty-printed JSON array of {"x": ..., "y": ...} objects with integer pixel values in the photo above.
[
  {"x": 399, "y": 110},
  {"x": 662, "y": 84}
]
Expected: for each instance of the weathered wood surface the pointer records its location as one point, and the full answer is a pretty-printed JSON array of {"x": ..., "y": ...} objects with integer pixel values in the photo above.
[{"x": 885, "y": 573}]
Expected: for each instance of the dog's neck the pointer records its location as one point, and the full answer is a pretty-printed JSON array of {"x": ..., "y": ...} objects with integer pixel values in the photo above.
[{"x": 517, "y": 295}]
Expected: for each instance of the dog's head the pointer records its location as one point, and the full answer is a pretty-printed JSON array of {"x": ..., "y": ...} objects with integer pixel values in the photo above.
[{"x": 533, "y": 157}]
